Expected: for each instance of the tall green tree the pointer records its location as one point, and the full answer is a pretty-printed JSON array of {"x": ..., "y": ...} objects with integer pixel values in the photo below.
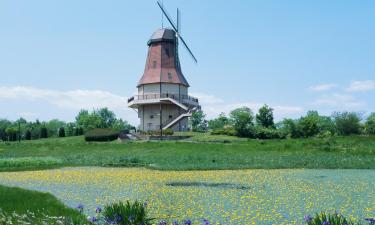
[
  {"x": 242, "y": 120},
  {"x": 198, "y": 121},
  {"x": 4, "y": 124},
  {"x": 264, "y": 118},
  {"x": 108, "y": 118},
  {"x": 347, "y": 123},
  {"x": 53, "y": 127},
  {"x": 218, "y": 123},
  {"x": 370, "y": 124}
]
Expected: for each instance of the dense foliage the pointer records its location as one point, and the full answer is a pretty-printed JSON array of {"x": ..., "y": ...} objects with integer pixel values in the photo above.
[
  {"x": 85, "y": 121},
  {"x": 198, "y": 121},
  {"x": 241, "y": 123}
]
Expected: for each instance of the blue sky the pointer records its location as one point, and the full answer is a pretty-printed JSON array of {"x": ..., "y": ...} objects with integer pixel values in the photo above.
[{"x": 59, "y": 56}]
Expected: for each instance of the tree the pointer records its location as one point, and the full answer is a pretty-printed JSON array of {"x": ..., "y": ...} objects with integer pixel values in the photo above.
[
  {"x": 70, "y": 129},
  {"x": 61, "y": 132},
  {"x": 218, "y": 123},
  {"x": 53, "y": 127},
  {"x": 4, "y": 124},
  {"x": 264, "y": 117},
  {"x": 121, "y": 125},
  {"x": 11, "y": 133},
  {"x": 347, "y": 123},
  {"x": 28, "y": 135},
  {"x": 198, "y": 122},
  {"x": 370, "y": 124},
  {"x": 289, "y": 128},
  {"x": 88, "y": 121},
  {"x": 43, "y": 132},
  {"x": 242, "y": 119},
  {"x": 108, "y": 118}
]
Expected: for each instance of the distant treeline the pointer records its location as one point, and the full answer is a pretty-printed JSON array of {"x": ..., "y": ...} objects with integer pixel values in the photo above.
[
  {"x": 243, "y": 123},
  {"x": 84, "y": 121}
]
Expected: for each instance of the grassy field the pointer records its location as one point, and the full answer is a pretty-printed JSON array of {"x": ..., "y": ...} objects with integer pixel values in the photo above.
[
  {"x": 21, "y": 201},
  {"x": 200, "y": 152}
]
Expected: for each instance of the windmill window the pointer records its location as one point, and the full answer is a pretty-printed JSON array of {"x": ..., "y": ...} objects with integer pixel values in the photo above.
[
  {"x": 167, "y": 51},
  {"x": 170, "y": 116},
  {"x": 169, "y": 76},
  {"x": 154, "y": 64},
  {"x": 152, "y": 117}
]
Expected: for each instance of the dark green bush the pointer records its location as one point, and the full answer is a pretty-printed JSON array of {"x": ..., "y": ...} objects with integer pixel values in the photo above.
[
  {"x": 61, "y": 132},
  {"x": 101, "y": 134},
  {"x": 126, "y": 214},
  {"x": 268, "y": 133},
  {"x": 43, "y": 132},
  {"x": 230, "y": 131},
  {"x": 168, "y": 131},
  {"x": 28, "y": 135}
]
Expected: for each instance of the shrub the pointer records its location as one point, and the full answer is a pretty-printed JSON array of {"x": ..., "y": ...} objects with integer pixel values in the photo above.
[
  {"x": 230, "y": 131},
  {"x": 268, "y": 133},
  {"x": 324, "y": 134},
  {"x": 168, "y": 131},
  {"x": 370, "y": 124},
  {"x": 28, "y": 135},
  {"x": 43, "y": 132},
  {"x": 101, "y": 134},
  {"x": 61, "y": 132},
  {"x": 328, "y": 219},
  {"x": 126, "y": 214}
]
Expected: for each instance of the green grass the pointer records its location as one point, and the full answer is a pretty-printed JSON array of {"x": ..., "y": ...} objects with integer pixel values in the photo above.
[
  {"x": 20, "y": 201},
  {"x": 201, "y": 151}
]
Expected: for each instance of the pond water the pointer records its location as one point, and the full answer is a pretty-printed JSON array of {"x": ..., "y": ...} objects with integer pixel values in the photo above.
[{"x": 222, "y": 196}]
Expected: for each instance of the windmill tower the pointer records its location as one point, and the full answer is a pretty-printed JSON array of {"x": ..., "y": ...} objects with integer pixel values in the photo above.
[{"x": 163, "y": 100}]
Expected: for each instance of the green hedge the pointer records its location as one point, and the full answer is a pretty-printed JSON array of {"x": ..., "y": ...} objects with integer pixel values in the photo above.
[{"x": 100, "y": 134}]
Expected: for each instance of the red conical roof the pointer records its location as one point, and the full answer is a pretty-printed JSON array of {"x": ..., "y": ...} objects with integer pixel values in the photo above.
[{"x": 163, "y": 64}]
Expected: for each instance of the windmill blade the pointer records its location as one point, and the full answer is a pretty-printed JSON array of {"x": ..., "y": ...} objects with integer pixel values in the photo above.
[
  {"x": 188, "y": 49},
  {"x": 167, "y": 16},
  {"x": 178, "y": 20}
]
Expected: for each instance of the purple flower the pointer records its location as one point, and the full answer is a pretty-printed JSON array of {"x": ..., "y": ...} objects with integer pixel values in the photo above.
[
  {"x": 307, "y": 218},
  {"x": 80, "y": 207},
  {"x": 326, "y": 223},
  {"x": 145, "y": 204},
  {"x": 92, "y": 219},
  {"x": 205, "y": 222},
  {"x": 163, "y": 223},
  {"x": 98, "y": 210},
  {"x": 118, "y": 219},
  {"x": 370, "y": 220},
  {"x": 187, "y": 222},
  {"x": 175, "y": 223}
]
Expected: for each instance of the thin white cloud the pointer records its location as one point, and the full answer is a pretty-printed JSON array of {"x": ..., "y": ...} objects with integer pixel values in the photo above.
[
  {"x": 213, "y": 106},
  {"x": 323, "y": 87},
  {"x": 339, "y": 102},
  {"x": 67, "y": 101},
  {"x": 361, "y": 86},
  {"x": 206, "y": 98},
  {"x": 75, "y": 99}
]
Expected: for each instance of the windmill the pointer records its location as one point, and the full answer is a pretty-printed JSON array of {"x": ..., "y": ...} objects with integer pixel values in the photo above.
[
  {"x": 162, "y": 101},
  {"x": 176, "y": 28}
]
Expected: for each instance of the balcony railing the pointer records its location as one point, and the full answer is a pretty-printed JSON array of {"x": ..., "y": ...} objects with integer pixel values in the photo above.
[{"x": 163, "y": 95}]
